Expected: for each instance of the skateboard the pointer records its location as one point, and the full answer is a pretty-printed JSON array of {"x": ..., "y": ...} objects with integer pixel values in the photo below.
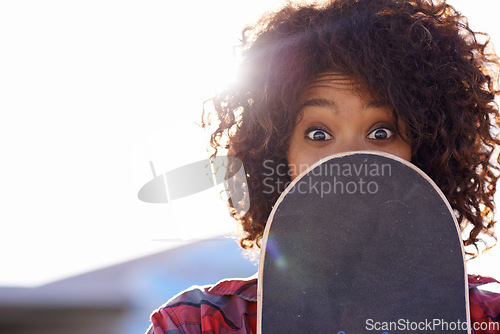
[{"x": 362, "y": 242}]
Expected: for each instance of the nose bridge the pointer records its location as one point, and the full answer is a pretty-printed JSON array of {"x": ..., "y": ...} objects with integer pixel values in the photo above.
[{"x": 351, "y": 143}]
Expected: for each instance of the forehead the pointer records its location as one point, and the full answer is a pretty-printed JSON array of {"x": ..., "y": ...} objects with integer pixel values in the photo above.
[
  {"x": 332, "y": 79},
  {"x": 331, "y": 83}
]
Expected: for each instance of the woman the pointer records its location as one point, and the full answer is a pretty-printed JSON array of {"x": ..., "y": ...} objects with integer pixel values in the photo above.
[{"x": 404, "y": 77}]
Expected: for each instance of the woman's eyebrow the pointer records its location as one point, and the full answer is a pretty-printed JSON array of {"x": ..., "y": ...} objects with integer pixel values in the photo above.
[{"x": 375, "y": 104}]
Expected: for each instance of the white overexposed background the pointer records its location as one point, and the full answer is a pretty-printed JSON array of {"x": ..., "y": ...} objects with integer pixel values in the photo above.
[{"x": 90, "y": 93}]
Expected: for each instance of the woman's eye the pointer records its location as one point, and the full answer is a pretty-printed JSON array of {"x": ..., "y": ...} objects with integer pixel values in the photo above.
[
  {"x": 381, "y": 134},
  {"x": 318, "y": 135}
]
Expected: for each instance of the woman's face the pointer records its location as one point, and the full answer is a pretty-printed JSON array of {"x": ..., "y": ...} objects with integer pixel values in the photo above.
[{"x": 334, "y": 119}]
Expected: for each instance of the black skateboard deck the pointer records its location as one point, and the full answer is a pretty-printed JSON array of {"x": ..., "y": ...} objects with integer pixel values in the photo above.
[{"x": 362, "y": 242}]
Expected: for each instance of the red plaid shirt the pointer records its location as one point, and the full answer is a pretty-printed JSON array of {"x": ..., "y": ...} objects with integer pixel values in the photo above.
[{"x": 230, "y": 306}]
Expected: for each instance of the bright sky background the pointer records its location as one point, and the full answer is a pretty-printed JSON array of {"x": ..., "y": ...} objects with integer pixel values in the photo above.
[{"x": 90, "y": 92}]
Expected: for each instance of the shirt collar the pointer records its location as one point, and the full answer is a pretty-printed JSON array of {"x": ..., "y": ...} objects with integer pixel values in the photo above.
[{"x": 245, "y": 288}]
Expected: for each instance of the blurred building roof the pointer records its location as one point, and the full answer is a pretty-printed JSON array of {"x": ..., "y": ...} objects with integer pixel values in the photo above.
[{"x": 119, "y": 298}]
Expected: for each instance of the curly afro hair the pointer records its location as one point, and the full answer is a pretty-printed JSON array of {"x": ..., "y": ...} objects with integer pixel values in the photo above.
[{"x": 418, "y": 57}]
